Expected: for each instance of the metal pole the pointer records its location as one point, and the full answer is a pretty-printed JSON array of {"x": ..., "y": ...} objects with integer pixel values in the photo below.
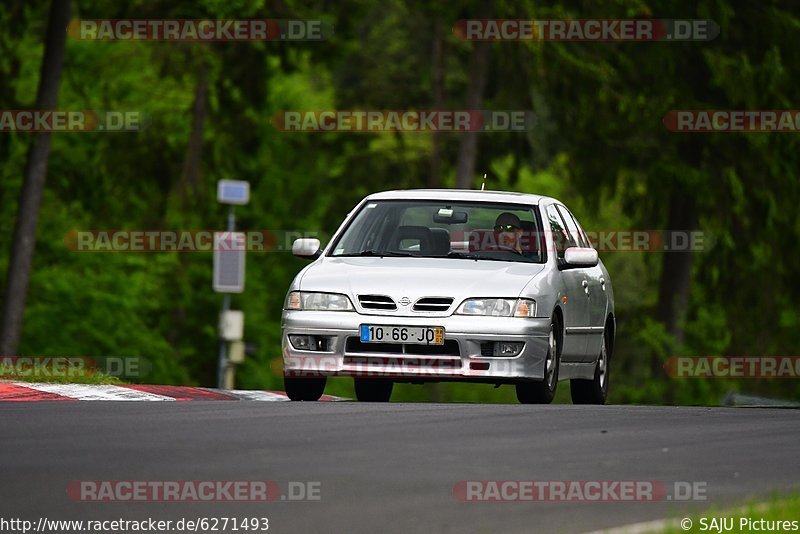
[{"x": 226, "y": 305}]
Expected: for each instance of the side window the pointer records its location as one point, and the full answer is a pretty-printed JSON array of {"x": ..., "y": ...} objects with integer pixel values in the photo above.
[
  {"x": 585, "y": 241},
  {"x": 572, "y": 226},
  {"x": 561, "y": 238}
]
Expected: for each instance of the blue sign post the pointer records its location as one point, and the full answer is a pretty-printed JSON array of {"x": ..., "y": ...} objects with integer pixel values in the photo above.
[{"x": 229, "y": 264}]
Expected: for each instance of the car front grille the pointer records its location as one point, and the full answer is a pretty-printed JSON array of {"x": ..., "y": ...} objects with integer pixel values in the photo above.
[
  {"x": 377, "y": 302},
  {"x": 440, "y": 364},
  {"x": 433, "y": 304},
  {"x": 449, "y": 348}
]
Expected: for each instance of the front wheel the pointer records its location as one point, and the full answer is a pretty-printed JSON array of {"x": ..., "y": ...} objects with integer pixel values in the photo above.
[
  {"x": 373, "y": 389},
  {"x": 304, "y": 389},
  {"x": 593, "y": 391},
  {"x": 543, "y": 391}
]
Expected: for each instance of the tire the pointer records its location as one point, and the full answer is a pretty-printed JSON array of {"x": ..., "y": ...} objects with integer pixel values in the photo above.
[
  {"x": 373, "y": 389},
  {"x": 304, "y": 389},
  {"x": 593, "y": 391},
  {"x": 543, "y": 391}
]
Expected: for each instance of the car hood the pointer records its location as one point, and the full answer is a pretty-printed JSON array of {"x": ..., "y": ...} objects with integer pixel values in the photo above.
[{"x": 418, "y": 277}]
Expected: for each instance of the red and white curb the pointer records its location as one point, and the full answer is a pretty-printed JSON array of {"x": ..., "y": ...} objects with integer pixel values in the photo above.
[{"x": 34, "y": 391}]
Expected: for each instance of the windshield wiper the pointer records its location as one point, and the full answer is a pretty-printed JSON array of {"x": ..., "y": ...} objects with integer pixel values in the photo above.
[
  {"x": 474, "y": 256},
  {"x": 380, "y": 253},
  {"x": 471, "y": 256}
]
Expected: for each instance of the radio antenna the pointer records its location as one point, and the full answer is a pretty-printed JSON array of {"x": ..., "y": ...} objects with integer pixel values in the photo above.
[{"x": 483, "y": 184}]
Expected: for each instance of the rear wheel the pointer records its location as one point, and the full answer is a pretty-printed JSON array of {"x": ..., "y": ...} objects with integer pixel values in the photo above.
[
  {"x": 593, "y": 391},
  {"x": 373, "y": 389},
  {"x": 543, "y": 391},
  {"x": 304, "y": 389}
]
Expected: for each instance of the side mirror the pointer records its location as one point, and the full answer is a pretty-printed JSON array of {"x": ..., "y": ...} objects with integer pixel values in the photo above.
[
  {"x": 581, "y": 257},
  {"x": 306, "y": 248}
]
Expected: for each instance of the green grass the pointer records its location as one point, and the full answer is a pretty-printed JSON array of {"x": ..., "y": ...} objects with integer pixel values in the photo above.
[{"x": 77, "y": 378}]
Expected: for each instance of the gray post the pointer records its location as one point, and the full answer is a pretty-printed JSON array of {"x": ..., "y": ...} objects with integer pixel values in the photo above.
[{"x": 226, "y": 305}]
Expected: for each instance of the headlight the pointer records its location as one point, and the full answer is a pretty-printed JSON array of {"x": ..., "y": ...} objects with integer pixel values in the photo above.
[
  {"x": 304, "y": 300},
  {"x": 498, "y": 307}
]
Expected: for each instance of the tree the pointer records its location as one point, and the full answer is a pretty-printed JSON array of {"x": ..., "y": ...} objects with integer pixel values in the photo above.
[
  {"x": 35, "y": 175},
  {"x": 468, "y": 149}
]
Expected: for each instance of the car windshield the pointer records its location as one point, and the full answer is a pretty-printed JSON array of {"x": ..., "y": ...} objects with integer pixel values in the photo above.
[{"x": 443, "y": 229}]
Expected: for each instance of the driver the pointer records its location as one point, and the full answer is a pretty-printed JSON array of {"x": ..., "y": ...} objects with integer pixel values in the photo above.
[{"x": 509, "y": 231}]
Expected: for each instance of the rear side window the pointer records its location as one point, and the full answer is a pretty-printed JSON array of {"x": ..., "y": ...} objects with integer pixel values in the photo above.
[
  {"x": 584, "y": 239},
  {"x": 561, "y": 238},
  {"x": 574, "y": 230}
]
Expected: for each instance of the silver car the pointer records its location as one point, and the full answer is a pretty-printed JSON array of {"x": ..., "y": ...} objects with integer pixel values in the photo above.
[{"x": 447, "y": 285}]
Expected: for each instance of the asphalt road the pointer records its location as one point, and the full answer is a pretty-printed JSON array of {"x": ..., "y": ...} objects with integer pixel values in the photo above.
[{"x": 390, "y": 467}]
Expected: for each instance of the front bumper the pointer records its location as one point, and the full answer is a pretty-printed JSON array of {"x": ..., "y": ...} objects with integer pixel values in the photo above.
[{"x": 405, "y": 363}]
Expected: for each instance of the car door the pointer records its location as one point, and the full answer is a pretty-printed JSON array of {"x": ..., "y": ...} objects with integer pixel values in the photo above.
[
  {"x": 596, "y": 288},
  {"x": 576, "y": 308}
]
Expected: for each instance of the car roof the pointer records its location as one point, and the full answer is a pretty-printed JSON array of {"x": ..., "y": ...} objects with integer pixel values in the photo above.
[{"x": 460, "y": 194}]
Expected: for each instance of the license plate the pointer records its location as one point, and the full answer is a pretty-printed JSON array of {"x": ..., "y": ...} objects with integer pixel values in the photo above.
[{"x": 418, "y": 335}]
